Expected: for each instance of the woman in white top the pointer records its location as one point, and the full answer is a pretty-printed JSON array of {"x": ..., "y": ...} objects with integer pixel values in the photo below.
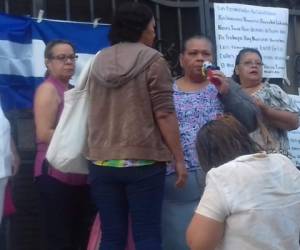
[
  {"x": 250, "y": 202},
  {"x": 9, "y": 160}
]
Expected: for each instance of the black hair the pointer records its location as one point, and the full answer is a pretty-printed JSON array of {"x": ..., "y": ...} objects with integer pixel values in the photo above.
[
  {"x": 200, "y": 37},
  {"x": 242, "y": 52},
  {"x": 48, "y": 53},
  {"x": 129, "y": 22},
  {"x": 222, "y": 140}
]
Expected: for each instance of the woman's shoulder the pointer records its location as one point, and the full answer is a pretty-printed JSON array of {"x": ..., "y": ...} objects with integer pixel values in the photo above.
[
  {"x": 270, "y": 91},
  {"x": 237, "y": 166},
  {"x": 46, "y": 86},
  {"x": 271, "y": 87},
  {"x": 46, "y": 90}
]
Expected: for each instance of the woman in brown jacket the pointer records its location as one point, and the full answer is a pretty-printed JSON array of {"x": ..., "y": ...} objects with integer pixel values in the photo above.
[{"x": 132, "y": 131}]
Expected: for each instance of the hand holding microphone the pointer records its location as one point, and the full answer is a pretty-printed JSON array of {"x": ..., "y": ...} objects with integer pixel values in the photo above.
[
  {"x": 216, "y": 77},
  {"x": 207, "y": 70}
]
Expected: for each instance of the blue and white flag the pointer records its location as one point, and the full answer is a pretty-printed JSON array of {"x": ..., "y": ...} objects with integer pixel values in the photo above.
[{"x": 22, "y": 44}]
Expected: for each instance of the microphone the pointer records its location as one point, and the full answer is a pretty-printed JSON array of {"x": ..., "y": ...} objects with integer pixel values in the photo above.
[{"x": 207, "y": 70}]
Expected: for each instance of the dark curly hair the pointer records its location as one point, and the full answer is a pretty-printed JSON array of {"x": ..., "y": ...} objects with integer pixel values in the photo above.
[
  {"x": 222, "y": 140},
  {"x": 242, "y": 52},
  {"x": 129, "y": 22}
]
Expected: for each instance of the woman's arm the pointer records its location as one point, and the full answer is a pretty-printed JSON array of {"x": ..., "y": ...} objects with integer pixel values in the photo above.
[
  {"x": 206, "y": 229},
  {"x": 282, "y": 119},
  {"x": 46, "y": 105},
  {"x": 240, "y": 105},
  {"x": 204, "y": 233},
  {"x": 168, "y": 125},
  {"x": 236, "y": 102},
  {"x": 161, "y": 95}
]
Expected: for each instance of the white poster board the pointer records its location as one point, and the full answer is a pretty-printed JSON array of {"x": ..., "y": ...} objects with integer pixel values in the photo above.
[
  {"x": 294, "y": 137},
  {"x": 265, "y": 28}
]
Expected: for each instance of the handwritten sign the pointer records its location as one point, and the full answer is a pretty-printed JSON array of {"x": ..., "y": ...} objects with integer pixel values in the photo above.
[
  {"x": 238, "y": 26},
  {"x": 294, "y": 137}
]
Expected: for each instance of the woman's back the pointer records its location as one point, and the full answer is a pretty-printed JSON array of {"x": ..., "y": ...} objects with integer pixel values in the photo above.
[{"x": 258, "y": 198}]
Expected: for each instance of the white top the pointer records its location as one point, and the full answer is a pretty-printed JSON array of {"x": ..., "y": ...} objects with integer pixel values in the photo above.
[
  {"x": 258, "y": 199},
  {"x": 5, "y": 147}
]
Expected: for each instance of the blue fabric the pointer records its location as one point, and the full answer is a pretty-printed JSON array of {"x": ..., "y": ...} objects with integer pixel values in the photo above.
[
  {"x": 85, "y": 37},
  {"x": 17, "y": 91},
  {"x": 135, "y": 190},
  {"x": 22, "y": 44},
  {"x": 15, "y": 29}
]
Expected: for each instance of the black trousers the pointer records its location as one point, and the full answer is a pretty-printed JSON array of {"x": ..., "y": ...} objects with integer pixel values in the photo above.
[{"x": 66, "y": 214}]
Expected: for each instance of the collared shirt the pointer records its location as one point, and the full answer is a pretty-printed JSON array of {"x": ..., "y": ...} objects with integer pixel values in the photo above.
[
  {"x": 258, "y": 198},
  {"x": 273, "y": 96}
]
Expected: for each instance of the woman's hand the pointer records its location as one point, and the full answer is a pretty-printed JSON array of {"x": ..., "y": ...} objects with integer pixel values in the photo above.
[
  {"x": 219, "y": 80},
  {"x": 278, "y": 118},
  {"x": 259, "y": 103},
  {"x": 181, "y": 173}
]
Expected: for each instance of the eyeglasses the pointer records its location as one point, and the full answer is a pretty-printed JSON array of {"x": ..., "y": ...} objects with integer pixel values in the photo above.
[
  {"x": 64, "y": 58},
  {"x": 251, "y": 63}
]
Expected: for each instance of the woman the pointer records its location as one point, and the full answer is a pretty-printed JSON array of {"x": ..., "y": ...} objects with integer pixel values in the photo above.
[
  {"x": 9, "y": 158},
  {"x": 64, "y": 197},
  {"x": 197, "y": 101},
  {"x": 132, "y": 131},
  {"x": 279, "y": 113},
  {"x": 250, "y": 202}
]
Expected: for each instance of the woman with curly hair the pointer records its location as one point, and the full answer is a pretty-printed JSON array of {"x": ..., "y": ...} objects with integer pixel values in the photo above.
[{"x": 132, "y": 132}]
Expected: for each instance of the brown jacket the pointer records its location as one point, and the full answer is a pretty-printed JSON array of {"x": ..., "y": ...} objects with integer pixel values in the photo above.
[{"x": 129, "y": 82}]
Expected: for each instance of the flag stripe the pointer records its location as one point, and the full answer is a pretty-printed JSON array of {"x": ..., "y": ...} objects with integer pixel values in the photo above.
[
  {"x": 17, "y": 91},
  {"x": 22, "y": 45}
]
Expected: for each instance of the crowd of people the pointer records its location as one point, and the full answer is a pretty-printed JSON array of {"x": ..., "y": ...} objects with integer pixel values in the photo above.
[{"x": 199, "y": 162}]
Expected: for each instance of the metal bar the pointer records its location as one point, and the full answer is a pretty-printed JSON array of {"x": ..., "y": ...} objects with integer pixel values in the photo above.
[
  {"x": 92, "y": 10},
  {"x": 158, "y": 25},
  {"x": 113, "y": 6},
  {"x": 6, "y": 6},
  {"x": 208, "y": 18},
  {"x": 297, "y": 39},
  {"x": 179, "y": 18},
  {"x": 37, "y": 5},
  {"x": 68, "y": 10},
  {"x": 186, "y": 4},
  {"x": 294, "y": 12},
  {"x": 297, "y": 53},
  {"x": 70, "y": 21},
  {"x": 202, "y": 16}
]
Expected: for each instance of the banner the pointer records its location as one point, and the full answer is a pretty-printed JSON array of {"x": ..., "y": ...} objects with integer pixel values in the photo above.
[
  {"x": 238, "y": 26},
  {"x": 22, "y": 44}
]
